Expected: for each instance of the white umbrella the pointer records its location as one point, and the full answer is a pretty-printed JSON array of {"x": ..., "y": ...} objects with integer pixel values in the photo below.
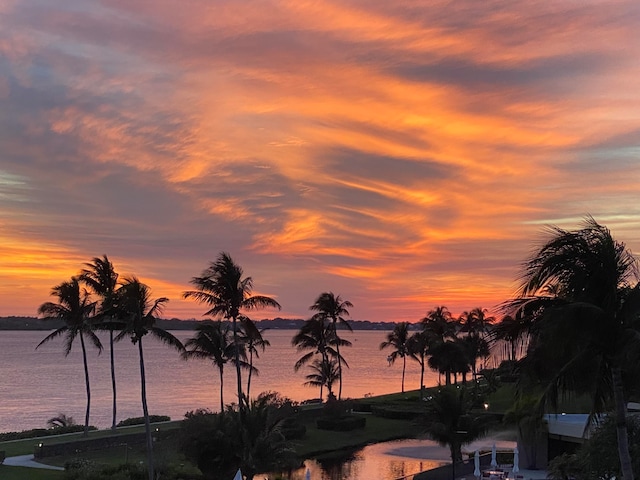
[
  {"x": 494, "y": 462},
  {"x": 516, "y": 459},
  {"x": 238, "y": 475},
  {"x": 307, "y": 475},
  {"x": 476, "y": 464}
]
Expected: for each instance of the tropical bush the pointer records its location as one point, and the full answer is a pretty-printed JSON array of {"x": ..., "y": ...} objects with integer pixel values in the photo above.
[{"x": 140, "y": 420}]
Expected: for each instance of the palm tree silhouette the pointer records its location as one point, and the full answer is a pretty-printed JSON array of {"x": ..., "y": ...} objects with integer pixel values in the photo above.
[
  {"x": 133, "y": 304},
  {"x": 102, "y": 279},
  {"x": 439, "y": 328},
  {"x": 253, "y": 343},
  {"x": 398, "y": 339},
  {"x": 316, "y": 337},
  {"x": 222, "y": 287},
  {"x": 323, "y": 373},
  {"x": 449, "y": 421},
  {"x": 333, "y": 308},
  {"x": 76, "y": 309},
  {"x": 212, "y": 342},
  {"x": 418, "y": 347},
  {"x": 581, "y": 295}
]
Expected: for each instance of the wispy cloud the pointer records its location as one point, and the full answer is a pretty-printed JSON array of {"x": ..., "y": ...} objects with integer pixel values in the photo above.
[{"x": 403, "y": 154}]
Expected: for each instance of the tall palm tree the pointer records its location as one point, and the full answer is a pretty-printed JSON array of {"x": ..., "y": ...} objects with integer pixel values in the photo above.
[
  {"x": 449, "y": 358},
  {"x": 223, "y": 288},
  {"x": 333, "y": 308},
  {"x": 582, "y": 289},
  {"x": 76, "y": 309},
  {"x": 133, "y": 303},
  {"x": 418, "y": 347},
  {"x": 398, "y": 339},
  {"x": 102, "y": 279},
  {"x": 254, "y": 343},
  {"x": 476, "y": 322},
  {"x": 212, "y": 342},
  {"x": 512, "y": 331}
]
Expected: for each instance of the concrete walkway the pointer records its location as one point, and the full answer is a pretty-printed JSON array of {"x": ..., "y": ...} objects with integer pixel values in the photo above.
[{"x": 27, "y": 461}]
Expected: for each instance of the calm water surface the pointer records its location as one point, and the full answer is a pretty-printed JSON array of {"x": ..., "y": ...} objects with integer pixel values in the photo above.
[{"x": 36, "y": 385}]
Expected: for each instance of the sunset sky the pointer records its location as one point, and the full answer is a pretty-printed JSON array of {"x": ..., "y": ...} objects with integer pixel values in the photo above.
[{"x": 403, "y": 154}]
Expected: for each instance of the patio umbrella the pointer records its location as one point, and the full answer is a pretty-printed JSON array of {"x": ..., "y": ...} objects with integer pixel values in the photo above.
[
  {"x": 307, "y": 475},
  {"x": 476, "y": 464},
  {"x": 238, "y": 475},
  {"x": 516, "y": 459},
  {"x": 494, "y": 462}
]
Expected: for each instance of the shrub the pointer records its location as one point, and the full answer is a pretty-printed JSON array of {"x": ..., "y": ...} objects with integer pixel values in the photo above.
[
  {"x": 342, "y": 424},
  {"x": 41, "y": 432},
  {"x": 292, "y": 429},
  {"x": 140, "y": 420}
]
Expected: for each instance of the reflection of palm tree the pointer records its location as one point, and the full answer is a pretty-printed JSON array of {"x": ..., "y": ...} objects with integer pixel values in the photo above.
[
  {"x": 253, "y": 342},
  {"x": 75, "y": 309},
  {"x": 222, "y": 287},
  {"x": 333, "y": 308},
  {"x": 582, "y": 290},
  {"x": 102, "y": 279},
  {"x": 212, "y": 342},
  {"x": 398, "y": 339},
  {"x": 133, "y": 304}
]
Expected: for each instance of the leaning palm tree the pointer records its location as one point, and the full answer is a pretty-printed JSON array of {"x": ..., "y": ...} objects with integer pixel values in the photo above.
[
  {"x": 133, "y": 303},
  {"x": 212, "y": 342},
  {"x": 398, "y": 339},
  {"x": 223, "y": 288},
  {"x": 581, "y": 287},
  {"x": 76, "y": 309},
  {"x": 333, "y": 308},
  {"x": 102, "y": 279}
]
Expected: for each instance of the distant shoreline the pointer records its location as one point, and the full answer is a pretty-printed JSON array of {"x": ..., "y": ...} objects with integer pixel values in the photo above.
[{"x": 34, "y": 323}]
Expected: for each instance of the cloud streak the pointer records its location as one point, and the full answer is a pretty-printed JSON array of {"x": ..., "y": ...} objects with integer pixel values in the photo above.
[{"x": 401, "y": 154}]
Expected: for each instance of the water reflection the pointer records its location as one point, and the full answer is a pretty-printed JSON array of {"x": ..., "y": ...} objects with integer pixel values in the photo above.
[{"x": 383, "y": 461}]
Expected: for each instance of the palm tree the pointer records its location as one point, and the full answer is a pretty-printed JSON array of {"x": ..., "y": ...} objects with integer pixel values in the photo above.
[
  {"x": 316, "y": 337},
  {"x": 323, "y": 373},
  {"x": 450, "y": 423},
  {"x": 449, "y": 358},
  {"x": 212, "y": 342},
  {"x": 75, "y": 308},
  {"x": 475, "y": 322},
  {"x": 133, "y": 303},
  {"x": 333, "y": 308},
  {"x": 222, "y": 287},
  {"x": 398, "y": 339},
  {"x": 581, "y": 287},
  {"x": 418, "y": 347},
  {"x": 512, "y": 331},
  {"x": 102, "y": 279},
  {"x": 253, "y": 342}
]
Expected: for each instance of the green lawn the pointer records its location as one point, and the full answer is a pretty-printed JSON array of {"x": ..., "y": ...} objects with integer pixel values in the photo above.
[{"x": 24, "y": 473}]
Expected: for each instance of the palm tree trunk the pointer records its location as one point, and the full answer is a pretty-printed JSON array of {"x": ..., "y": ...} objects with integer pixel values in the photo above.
[
  {"x": 621, "y": 424},
  {"x": 113, "y": 379},
  {"x": 86, "y": 381},
  {"x": 422, "y": 379},
  {"x": 404, "y": 365},
  {"x": 145, "y": 412},
  {"x": 335, "y": 333},
  {"x": 221, "y": 389},
  {"x": 250, "y": 372},
  {"x": 238, "y": 373}
]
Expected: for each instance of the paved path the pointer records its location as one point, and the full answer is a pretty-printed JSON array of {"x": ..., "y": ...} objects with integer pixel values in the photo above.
[{"x": 27, "y": 461}]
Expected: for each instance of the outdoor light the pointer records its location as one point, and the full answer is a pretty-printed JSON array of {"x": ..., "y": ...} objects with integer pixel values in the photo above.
[
  {"x": 486, "y": 406},
  {"x": 40, "y": 445}
]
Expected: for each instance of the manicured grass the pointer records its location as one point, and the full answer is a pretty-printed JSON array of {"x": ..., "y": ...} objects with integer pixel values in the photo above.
[
  {"x": 376, "y": 430},
  {"x": 24, "y": 473}
]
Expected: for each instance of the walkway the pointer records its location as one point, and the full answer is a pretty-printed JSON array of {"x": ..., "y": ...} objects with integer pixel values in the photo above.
[{"x": 27, "y": 461}]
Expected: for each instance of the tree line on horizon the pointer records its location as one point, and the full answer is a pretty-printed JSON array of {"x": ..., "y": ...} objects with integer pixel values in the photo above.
[{"x": 576, "y": 315}]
